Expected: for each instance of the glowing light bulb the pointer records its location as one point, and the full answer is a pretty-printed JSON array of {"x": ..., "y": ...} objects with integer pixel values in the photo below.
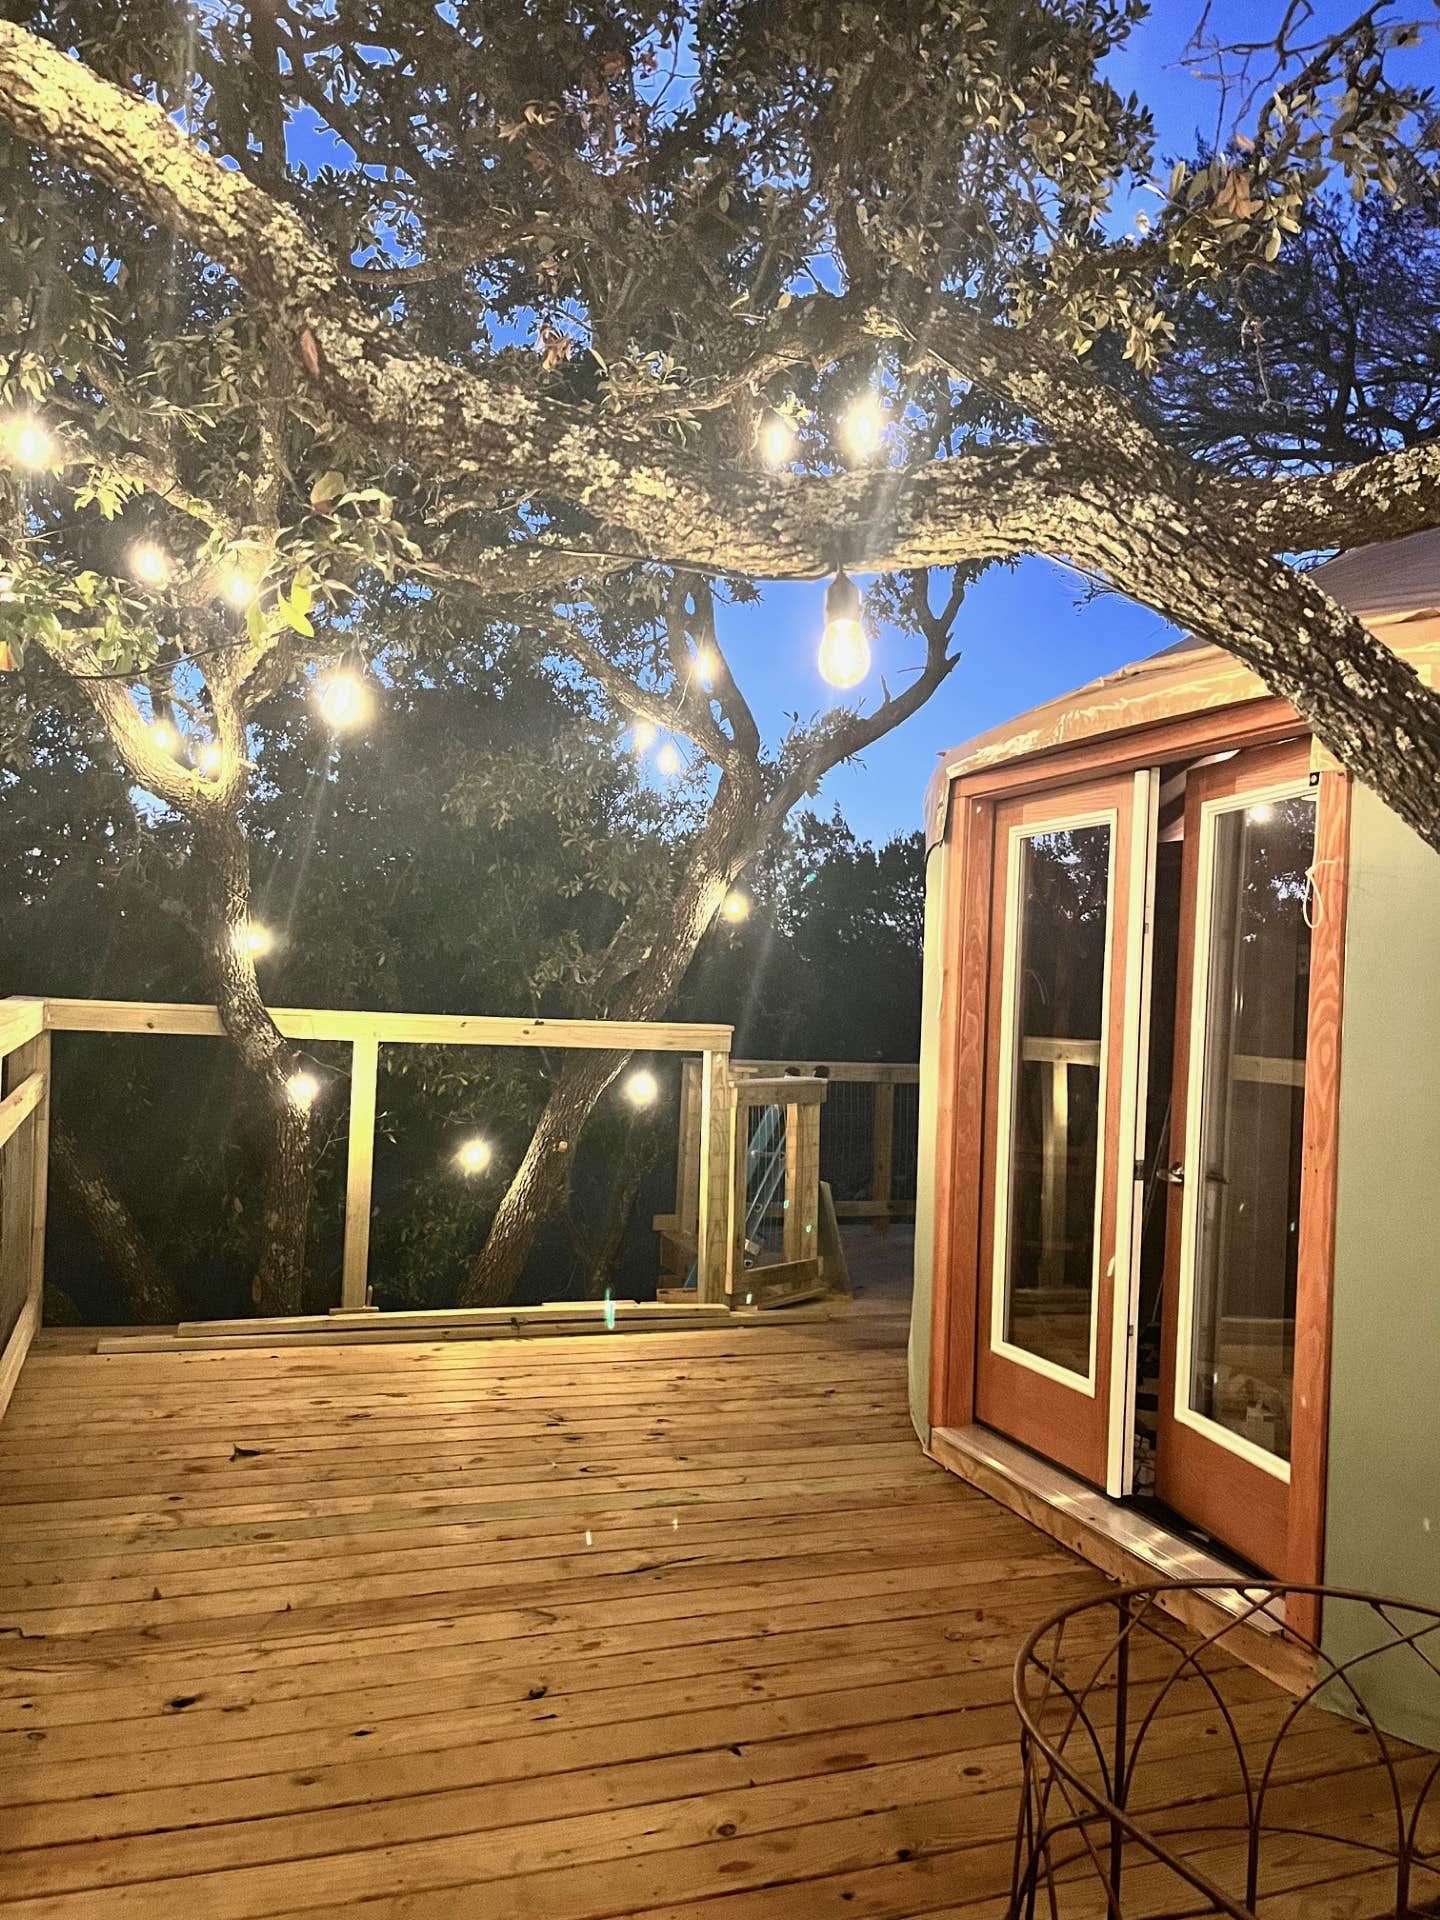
[
  {"x": 1261, "y": 814},
  {"x": 239, "y": 589},
  {"x": 343, "y": 699},
  {"x": 668, "y": 759},
  {"x": 642, "y": 735},
  {"x": 165, "y": 737},
  {"x": 303, "y": 1089},
  {"x": 707, "y": 664},
  {"x": 210, "y": 758},
  {"x": 473, "y": 1156},
  {"x": 862, "y": 427},
  {"x": 150, "y": 564},
  {"x": 778, "y": 441},
  {"x": 844, "y": 650},
  {"x": 642, "y": 1089},
  {"x": 735, "y": 906},
  {"x": 256, "y": 939},
  {"x": 28, "y": 443}
]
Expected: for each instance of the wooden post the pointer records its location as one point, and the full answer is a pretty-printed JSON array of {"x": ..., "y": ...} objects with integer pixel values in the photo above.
[
  {"x": 364, "y": 1069},
  {"x": 882, "y": 1151},
  {"x": 687, "y": 1150},
  {"x": 712, "y": 1201},
  {"x": 24, "y": 1186},
  {"x": 802, "y": 1182},
  {"x": 739, "y": 1191}
]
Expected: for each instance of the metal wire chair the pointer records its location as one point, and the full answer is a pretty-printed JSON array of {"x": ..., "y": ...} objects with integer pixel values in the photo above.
[{"x": 1163, "y": 1779}]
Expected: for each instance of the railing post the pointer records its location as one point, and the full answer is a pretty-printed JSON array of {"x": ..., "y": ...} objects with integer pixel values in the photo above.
[
  {"x": 712, "y": 1219},
  {"x": 802, "y": 1182},
  {"x": 24, "y": 1188},
  {"x": 364, "y": 1069}
]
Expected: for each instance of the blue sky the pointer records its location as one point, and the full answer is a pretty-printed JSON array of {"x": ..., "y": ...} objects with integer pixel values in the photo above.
[{"x": 1025, "y": 634}]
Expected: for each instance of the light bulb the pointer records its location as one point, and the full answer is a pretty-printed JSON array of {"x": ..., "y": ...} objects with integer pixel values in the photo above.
[
  {"x": 165, "y": 737},
  {"x": 303, "y": 1089},
  {"x": 27, "y": 443},
  {"x": 343, "y": 699},
  {"x": 735, "y": 906},
  {"x": 239, "y": 589},
  {"x": 210, "y": 758},
  {"x": 668, "y": 759},
  {"x": 256, "y": 939},
  {"x": 862, "y": 427},
  {"x": 707, "y": 664},
  {"x": 642, "y": 736},
  {"x": 844, "y": 650},
  {"x": 1261, "y": 814},
  {"x": 473, "y": 1156},
  {"x": 778, "y": 441},
  {"x": 150, "y": 564},
  {"x": 642, "y": 1089}
]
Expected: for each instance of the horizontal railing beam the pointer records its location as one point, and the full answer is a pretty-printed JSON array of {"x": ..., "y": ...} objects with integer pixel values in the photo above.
[
  {"x": 898, "y": 1073},
  {"x": 414, "y": 1029},
  {"x": 17, "y": 1106}
]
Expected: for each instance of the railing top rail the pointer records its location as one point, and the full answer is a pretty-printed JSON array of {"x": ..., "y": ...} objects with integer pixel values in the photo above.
[
  {"x": 901, "y": 1071},
  {"x": 780, "y": 1090},
  {"x": 21, "y": 1020},
  {"x": 415, "y": 1029}
]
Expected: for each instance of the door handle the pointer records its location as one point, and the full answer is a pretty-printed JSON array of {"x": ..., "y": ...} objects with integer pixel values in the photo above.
[{"x": 1173, "y": 1176}]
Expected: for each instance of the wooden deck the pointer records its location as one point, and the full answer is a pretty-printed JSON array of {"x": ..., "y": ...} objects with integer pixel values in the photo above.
[{"x": 682, "y": 1626}]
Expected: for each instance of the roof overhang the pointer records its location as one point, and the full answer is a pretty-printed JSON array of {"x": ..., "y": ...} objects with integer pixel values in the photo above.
[{"x": 1394, "y": 588}]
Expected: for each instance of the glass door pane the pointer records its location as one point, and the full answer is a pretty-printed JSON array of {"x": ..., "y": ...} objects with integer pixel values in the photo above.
[
  {"x": 1251, "y": 1120},
  {"x": 1057, "y": 1094}
]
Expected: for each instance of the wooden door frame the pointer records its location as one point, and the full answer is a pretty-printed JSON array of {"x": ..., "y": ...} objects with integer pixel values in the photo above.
[
  {"x": 968, "y": 853},
  {"x": 1049, "y": 1407}
]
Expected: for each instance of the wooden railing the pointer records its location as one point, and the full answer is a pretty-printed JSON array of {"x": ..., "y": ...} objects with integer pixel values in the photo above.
[
  {"x": 869, "y": 1143},
  {"x": 24, "y": 1179},
  {"x": 27, "y": 1024}
]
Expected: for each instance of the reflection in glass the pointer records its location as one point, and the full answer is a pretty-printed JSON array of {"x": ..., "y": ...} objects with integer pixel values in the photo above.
[
  {"x": 1064, "y": 907},
  {"x": 1252, "y": 1118}
]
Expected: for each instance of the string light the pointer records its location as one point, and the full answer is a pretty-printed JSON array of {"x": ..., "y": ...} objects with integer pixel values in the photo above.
[
  {"x": 150, "y": 564},
  {"x": 642, "y": 1089},
  {"x": 239, "y": 589},
  {"x": 862, "y": 427},
  {"x": 1261, "y": 814},
  {"x": 844, "y": 650},
  {"x": 303, "y": 1089},
  {"x": 28, "y": 443},
  {"x": 707, "y": 664},
  {"x": 668, "y": 759},
  {"x": 165, "y": 737},
  {"x": 778, "y": 441},
  {"x": 256, "y": 939},
  {"x": 210, "y": 758},
  {"x": 735, "y": 906},
  {"x": 474, "y": 1155},
  {"x": 643, "y": 736},
  {"x": 343, "y": 699}
]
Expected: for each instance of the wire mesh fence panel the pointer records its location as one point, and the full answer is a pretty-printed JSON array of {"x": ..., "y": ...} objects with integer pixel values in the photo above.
[
  {"x": 905, "y": 1146},
  {"x": 847, "y": 1132}
]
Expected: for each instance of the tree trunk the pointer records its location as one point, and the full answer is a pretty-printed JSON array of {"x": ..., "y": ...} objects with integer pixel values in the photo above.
[
  {"x": 268, "y": 1062},
  {"x": 148, "y": 1295},
  {"x": 542, "y": 1180}
]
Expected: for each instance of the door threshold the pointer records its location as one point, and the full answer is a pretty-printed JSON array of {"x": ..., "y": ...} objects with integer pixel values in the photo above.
[{"x": 1123, "y": 1544}]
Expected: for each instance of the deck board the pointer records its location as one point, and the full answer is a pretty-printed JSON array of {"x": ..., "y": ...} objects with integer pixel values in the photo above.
[{"x": 674, "y": 1625}]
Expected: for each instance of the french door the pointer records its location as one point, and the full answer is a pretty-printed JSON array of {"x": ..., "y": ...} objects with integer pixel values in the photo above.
[
  {"x": 1238, "y": 1249},
  {"x": 1063, "y": 1074}
]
